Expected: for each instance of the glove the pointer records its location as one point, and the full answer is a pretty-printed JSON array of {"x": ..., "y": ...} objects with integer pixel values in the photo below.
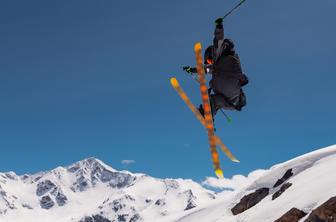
[
  {"x": 219, "y": 22},
  {"x": 187, "y": 69}
]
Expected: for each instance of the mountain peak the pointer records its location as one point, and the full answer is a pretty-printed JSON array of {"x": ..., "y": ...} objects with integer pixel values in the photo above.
[
  {"x": 88, "y": 164},
  {"x": 91, "y": 171}
]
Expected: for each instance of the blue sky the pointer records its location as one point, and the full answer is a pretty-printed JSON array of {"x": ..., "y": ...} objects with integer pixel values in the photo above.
[{"x": 91, "y": 78}]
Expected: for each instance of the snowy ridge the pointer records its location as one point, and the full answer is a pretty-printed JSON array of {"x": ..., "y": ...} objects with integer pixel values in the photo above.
[
  {"x": 91, "y": 191},
  {"x": 312, "y": 183},
  {"x": 298, "y": 164}
]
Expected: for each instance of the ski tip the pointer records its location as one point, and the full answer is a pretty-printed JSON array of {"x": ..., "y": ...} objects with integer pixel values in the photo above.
[
  {"x": 219, "y": 173},
  {"x": 174, "y": 82},
  {"x": 235, "y": 160},
  {"x": 198, "y": 46}
]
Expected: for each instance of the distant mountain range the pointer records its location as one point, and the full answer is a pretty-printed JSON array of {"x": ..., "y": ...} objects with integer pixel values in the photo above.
[{"x": 302, "y": 189}]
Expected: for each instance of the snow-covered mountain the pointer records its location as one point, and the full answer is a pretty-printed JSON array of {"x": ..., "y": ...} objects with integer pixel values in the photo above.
[
  {"x": 90, "y": 191},
  {"x": 302, "y": 189}
]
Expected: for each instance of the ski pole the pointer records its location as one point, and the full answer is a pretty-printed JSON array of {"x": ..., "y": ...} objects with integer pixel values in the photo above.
[
  {"x": 228, "y": 118},
  {"x": 237, "y": 6},
  {"x": 195, "y": 77}
]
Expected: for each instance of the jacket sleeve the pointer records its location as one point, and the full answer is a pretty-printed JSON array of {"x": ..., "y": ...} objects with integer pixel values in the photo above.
[
  {"x": 219, "y": 33},
  {"x": 208, "y": 68},
  {"x": 218, "y": 41}
]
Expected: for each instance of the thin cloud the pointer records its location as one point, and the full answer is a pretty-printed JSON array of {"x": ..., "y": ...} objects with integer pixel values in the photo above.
[{"x": 127, "y": 162}]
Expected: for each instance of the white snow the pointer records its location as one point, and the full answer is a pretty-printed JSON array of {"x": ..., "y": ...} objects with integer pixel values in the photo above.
[
  {"x": 314, "y": 182},
  {"x": 91, "y": 187}
]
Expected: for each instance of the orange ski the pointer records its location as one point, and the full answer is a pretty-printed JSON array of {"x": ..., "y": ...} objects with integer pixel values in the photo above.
[
  {"x": 198, "y": 115},
  {"x": 207, "y": 110}
]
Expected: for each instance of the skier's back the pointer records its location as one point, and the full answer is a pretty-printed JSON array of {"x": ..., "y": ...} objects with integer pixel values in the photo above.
[{"x": 223, "y": 63}]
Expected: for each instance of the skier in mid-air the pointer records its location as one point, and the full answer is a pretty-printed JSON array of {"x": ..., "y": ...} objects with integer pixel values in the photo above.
[{"x": 221, "y": 60}]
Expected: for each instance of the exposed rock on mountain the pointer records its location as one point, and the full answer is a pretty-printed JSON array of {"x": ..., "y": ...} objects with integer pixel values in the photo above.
[
  {"x": 285, "y": 177},
  {"x": 293, "y": 215},
  {"x": 46, "y": 202},
  {"x": 250, "y": 200},
  {"x": 44, "y": 187},
  {"x": 95, "y": 218},
  {"x": 282, "y": 189},
  {"x": 324, "y": 213}
]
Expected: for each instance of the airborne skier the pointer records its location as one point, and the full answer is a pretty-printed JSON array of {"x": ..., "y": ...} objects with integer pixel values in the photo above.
[
  {"x": 221, "y": 60},
  {"x": 223, "y": 63}
]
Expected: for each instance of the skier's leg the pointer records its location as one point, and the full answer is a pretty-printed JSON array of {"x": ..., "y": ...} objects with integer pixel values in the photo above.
[
  {"x": 214, "y": 103},
  {"x": 219, "y": 102}
]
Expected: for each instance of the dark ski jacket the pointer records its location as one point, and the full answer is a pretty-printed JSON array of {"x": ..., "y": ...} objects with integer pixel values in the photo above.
[
  {"x": 221, "y": 60},
  {"x": 227, "y": 76}
]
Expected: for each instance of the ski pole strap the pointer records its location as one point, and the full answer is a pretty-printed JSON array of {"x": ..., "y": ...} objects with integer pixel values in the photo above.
[{"x": 237, "y": 6}]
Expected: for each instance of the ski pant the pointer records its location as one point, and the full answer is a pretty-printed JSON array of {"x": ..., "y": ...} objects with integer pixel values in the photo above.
[{"x": 218, "y": 101}]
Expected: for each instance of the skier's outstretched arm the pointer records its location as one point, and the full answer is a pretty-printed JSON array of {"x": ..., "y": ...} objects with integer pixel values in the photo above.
[
  {"x": 207, "y": 69},
  {"x": 219, "y": 30}
]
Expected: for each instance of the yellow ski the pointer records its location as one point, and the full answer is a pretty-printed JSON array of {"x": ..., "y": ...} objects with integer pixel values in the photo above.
[{"x": 191, "y": 106}]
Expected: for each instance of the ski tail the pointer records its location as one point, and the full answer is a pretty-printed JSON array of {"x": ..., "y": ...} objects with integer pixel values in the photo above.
[{"x": 226, "y": 150}]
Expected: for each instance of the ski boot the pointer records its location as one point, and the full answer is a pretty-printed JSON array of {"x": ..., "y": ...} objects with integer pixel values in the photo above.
[{"x": 201, "y": 110}]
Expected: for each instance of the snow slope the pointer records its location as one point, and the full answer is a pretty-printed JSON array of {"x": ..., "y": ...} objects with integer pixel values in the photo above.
[{"x": 313, "y": 183}]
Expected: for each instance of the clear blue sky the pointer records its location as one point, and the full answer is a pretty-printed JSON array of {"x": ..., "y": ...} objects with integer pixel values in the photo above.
[{"x": 91, "y": 78}]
